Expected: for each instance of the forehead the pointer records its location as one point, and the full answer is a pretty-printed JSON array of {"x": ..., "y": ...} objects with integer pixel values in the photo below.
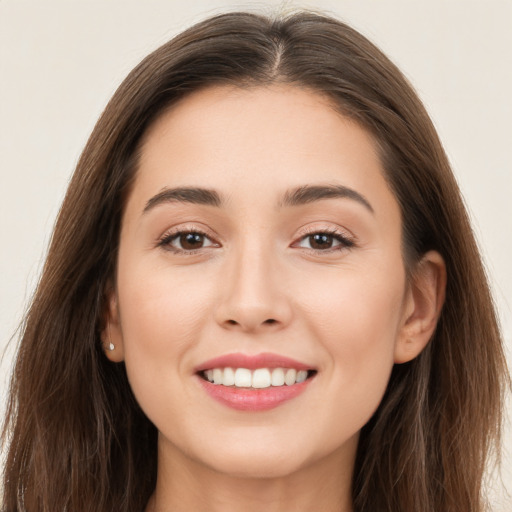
[{"x": 262, "y": 139}]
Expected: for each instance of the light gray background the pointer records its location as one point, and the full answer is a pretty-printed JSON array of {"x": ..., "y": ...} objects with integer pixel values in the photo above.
[{"x": 60, "y": 61}]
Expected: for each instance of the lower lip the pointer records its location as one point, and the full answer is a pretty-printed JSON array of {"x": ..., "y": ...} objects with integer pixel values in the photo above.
[{"x": 250, "y": 399}]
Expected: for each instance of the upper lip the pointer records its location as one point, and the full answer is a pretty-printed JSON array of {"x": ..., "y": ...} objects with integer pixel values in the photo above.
[{"x": 252, "y": 362}]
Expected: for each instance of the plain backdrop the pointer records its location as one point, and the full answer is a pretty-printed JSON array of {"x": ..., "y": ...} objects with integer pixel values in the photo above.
[{"x": 60, "y": 61}]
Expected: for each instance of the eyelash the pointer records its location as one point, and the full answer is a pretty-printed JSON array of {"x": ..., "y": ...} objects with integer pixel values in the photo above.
[
  {"x": 345, "y": 242},
  {"x": 168, "y": 238}
]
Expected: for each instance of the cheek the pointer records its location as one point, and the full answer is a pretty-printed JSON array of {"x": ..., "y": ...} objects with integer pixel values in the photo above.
[
  {"x": 162, "y": 316},
  {"x": 360, "y": 309},
  {"x": 161, "y": 309},
  {"x": 356, "y": 318}
]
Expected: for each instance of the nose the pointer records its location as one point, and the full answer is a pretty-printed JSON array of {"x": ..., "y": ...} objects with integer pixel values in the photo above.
[{"x": 254, "y": 296}]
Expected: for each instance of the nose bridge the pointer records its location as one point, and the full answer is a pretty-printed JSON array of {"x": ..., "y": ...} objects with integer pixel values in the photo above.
[{"x": 253, "y": 296}]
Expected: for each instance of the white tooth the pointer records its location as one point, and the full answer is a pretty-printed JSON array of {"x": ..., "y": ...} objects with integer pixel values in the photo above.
[
  {"x": 209, "y": 375},
  {"x": 277, "y": 377},
  {"x": 217, "y": 376},
  {"x": 290, "y": 376},
  {"x": 302, "y": 375},
  {"x": 243, "y": 378},
  {"x": 229, "y": 377},
  {"x": 261, "y": 378}
]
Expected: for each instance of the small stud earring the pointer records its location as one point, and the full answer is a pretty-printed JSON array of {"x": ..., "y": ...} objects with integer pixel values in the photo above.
[{"x": 111, "y": 346}]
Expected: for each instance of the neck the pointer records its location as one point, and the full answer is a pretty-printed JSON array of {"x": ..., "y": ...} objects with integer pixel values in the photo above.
[{"x": 184, "y": 484}]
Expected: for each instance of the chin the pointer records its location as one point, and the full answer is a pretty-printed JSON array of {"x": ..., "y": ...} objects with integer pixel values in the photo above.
[
  {"x": 261, "y": 466},
  {"x": 264, "y": 457}
]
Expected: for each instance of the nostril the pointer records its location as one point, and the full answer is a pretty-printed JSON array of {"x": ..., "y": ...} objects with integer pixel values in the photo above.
[{"x": 249, "y": 324}]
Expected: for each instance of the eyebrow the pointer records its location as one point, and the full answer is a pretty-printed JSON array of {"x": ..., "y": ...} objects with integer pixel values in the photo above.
[
  {"x": 311, "y": 193},
  {"x": 194, "y": 195},
  {"x": 295, "y": 197}
]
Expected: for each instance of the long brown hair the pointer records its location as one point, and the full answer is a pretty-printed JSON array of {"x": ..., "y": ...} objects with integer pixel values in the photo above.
[{"x": 78, "y": 440}]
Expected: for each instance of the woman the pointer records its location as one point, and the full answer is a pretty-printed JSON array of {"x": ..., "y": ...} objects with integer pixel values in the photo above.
[{"x": 262, "y": 292}]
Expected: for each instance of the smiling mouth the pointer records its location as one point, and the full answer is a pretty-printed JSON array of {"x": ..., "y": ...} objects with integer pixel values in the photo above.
[{"x": 258, "y": 378}]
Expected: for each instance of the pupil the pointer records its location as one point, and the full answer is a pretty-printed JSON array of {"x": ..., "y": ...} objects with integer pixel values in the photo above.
[
  {"x": 191, "y": 240},
  {"x": 321, "y": 241}
]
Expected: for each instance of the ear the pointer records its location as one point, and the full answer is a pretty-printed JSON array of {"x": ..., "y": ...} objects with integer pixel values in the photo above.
[
  {"x": 111, "y": 335},
  {"x": 423, "y": 303}
]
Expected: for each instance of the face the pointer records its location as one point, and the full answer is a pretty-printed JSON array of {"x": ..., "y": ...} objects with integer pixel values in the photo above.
[{"x": 260, "y": 236}]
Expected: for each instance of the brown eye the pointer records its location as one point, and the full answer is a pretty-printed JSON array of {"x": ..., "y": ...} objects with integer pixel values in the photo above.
[
  {"x": 191, "y": 241},
  {"x": 325, "y": 241},
  {"x": 321, "y": 241},
  {"x": 186, "y": 241}
]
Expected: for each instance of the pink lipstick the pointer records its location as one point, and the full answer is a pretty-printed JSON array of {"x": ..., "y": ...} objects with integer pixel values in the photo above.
[{"x": 254, "y": 382}]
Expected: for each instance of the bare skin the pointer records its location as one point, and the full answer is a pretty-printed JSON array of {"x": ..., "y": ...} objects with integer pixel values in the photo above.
[
  {"x": 324, "y": 488},
  {"x": 318, "y": 278}
]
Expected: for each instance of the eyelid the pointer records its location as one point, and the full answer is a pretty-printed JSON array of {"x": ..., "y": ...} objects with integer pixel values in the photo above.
[
  {"x": 322, "y": 228},
  {"x": 164, "y": 240},
  {"x": 345, "y": 237}
]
